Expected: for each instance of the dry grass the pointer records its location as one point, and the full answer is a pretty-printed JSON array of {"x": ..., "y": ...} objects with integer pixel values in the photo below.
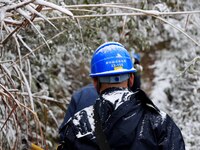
[{"x": 19, "y": 119}]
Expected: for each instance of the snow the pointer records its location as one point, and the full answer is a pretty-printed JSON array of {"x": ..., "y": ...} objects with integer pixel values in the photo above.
[
  {"x": 176, "y": 88},
  {"x": 126, "y": 118},
  {"x": 106, "y": 50},
  {"x": 77, "y": 118},
  {"x": 163, "y": 115},
  {"x": 176, "y": 85},
  {"x": 183, "y": 107},
  {"x": 54, "y": 6},
  {"x": 116, "y": 97},
  {"x": 142, "y": 128}
]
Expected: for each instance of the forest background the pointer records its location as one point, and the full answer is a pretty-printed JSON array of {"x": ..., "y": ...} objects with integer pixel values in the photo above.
[{"x": 45, "y": 52}]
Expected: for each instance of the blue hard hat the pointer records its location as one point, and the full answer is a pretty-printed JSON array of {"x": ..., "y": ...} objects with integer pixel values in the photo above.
[
  {"x": 136, "y": 56},
  {"x": 111, "y": 58}
]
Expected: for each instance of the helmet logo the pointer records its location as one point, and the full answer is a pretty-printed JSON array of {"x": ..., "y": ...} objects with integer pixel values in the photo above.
[
  {"x": 118, "y": 68},
  {"x": 118, "y": 56}
]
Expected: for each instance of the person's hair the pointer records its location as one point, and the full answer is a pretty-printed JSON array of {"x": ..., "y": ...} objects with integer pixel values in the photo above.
[{"x": 106, "y": 82}]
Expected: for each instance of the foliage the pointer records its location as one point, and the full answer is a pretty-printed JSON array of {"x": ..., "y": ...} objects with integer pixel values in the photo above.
[
  {"x": 45, "y": 55},
  {"x": 177, "y": 80},
  {"x": 19, "y": 103}
]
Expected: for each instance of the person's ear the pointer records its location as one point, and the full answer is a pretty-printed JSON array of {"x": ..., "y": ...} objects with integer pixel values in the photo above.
[
  {"x": 131, "y": 80},
  {"x": 95, "y": 82}
]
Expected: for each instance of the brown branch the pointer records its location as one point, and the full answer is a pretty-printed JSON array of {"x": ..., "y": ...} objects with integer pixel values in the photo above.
[
  {"x": 10, "y": 34},
  {"x": 9, "y": 116},
  {"x": 26, "y": 22}
]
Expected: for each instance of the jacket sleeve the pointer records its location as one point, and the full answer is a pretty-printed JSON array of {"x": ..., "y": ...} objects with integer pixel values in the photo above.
[
  {"x": 71, "y": 108},
  {"x": 67, "y": 137},
  {"x": 70, "y": 112},
  {"x": 170, "y": 136}
]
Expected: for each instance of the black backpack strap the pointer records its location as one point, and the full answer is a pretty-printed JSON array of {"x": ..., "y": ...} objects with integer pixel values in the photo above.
[{"x": 100, "y": 135}]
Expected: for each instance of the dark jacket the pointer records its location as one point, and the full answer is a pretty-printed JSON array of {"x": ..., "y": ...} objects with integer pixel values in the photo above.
[
  {"x": 80, "y": 99},
  {"x": 87, "y": 96},
  {"x": 130, "y": 122}
]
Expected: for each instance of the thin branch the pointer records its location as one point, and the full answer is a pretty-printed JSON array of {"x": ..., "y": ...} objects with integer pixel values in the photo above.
[
  {"x": 9, "y": 94},
  {"x": 132, "y": 14},
  {"x": 12, "y": 22},
  {"x": 54, "y": 6},
  {"x": 187, "y": 20},
  {"x": 21, "y": 4},
  {"x": 35, "y": 116},
  {"x": 24, "y": 44},
  {"x": 179, "y": 29},
  {"x": 46, "y": 98},
  {"x": 190, "y": 64},
  {"x": 25, "y": 56},
  {"x": 151, "y": 12},
  {"x": 92, "y": 16},
  {"x": 28, "y": 88},
  {"x": 117, "y": 14},
  {"x": 6, "y": 61},
  {"x": 9, "y": 116},
  {"x": 116, "y": 5},
  {"x": 10, "y": 34}
]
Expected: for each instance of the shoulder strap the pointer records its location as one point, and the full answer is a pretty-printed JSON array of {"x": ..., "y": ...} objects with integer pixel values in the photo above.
[{"x": 100, "y": 135}]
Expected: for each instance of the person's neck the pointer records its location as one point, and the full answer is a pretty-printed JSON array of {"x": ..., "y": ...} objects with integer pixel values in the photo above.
[{"x": 109, "y": 85}]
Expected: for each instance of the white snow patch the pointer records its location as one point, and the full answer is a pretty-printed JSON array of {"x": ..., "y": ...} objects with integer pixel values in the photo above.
[
  {"x": 116, "y": 97},
  {"x": 130, "y": 116},
  {"x": 163, "y": 115},
  {"x": 89, "y": 110}
]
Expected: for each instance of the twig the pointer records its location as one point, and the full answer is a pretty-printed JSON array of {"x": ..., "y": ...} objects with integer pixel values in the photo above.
[
  {"x": 46, "y": 98},
  {"x": 132, "y": 14},
  {"x": 9, "y": 116},
  {"x": 135, "y": 9},
  {"x": 36, "y": 117},
  {"x": 188, "y": 16},
  {"x": 15, "y": 6},
  {"x": 11, "y": 33},
  {"x": 179, "y": 29},
  {"x": 25, "y": 56},
  {"x": 190, "y": 64}
]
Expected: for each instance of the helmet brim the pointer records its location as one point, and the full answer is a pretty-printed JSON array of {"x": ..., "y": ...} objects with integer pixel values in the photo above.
[{"x": 113, "y": 72}]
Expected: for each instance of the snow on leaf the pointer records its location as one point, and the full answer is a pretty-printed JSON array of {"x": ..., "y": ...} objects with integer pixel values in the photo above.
[
  {"x": 54, "y": 6},
  {"x": 161, "y": 7},
  {"x": 33, "y": 11}
]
